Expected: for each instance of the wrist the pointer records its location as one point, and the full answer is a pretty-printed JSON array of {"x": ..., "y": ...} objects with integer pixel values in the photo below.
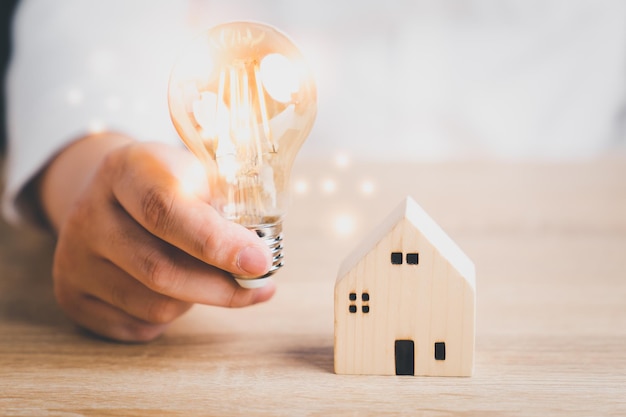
[{"x": 64, "y": 178}]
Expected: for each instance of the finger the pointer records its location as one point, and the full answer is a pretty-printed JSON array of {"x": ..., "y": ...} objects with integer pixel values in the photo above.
[
  {"x": 77, "y": 267},
  {"x": 117, "y": 288},
  {"x": 103, "y": 319},
  {"x": 183, "y": 219},
  {"x": 169, "y": 271}
]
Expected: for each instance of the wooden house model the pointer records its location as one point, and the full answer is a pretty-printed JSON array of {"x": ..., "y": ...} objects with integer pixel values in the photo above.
[{"x": 405, "y": 301}]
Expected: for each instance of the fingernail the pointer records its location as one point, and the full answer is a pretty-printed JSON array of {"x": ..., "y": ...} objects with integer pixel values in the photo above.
[{"x": 253, "y": 260}]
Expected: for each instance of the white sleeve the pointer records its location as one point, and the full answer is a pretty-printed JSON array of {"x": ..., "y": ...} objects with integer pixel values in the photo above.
[{"x": 81, "y": 66}]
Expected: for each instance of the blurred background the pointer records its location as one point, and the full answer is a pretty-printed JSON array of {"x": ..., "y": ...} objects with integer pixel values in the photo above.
[{"x": 397, "y": 79}]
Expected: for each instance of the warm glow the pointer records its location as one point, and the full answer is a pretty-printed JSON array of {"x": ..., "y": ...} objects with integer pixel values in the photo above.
[
  {"x": 241, "y": 106},
  {"x": 279, "y": 77},
  {"x": 367, "y": 187},
  {"x": 344, "y": 224},
  {"x": 228, "y": 168},
  {"x": 96, "y": 126},
  {"x": 301, "y": 186},
  {"x": 193, "y": 179},
  {"x": 205, "y": 114},
  {"x": 342, "y": 160},
  {"x": 329, "y": 186}
]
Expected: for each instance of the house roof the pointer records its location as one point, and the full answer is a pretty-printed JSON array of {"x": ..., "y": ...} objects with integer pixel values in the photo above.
[{"x": 416, "y": 215}]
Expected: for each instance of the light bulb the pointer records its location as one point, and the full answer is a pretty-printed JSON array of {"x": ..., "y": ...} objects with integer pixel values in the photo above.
[{"x": 243, "y": 100}]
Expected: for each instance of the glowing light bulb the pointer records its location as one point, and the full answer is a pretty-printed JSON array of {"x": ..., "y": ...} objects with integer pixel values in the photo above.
[{"x": 243, "y": 100}]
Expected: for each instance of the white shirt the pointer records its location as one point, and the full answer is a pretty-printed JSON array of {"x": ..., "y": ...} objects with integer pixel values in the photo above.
[{"x": 396, "y": 79}]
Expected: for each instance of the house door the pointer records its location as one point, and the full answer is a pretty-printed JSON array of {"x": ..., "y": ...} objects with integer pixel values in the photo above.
[{"x": 405, "y": 357}]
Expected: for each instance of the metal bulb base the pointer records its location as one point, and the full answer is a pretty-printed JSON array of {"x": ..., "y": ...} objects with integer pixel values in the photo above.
[{"x": 272, "y": 235}]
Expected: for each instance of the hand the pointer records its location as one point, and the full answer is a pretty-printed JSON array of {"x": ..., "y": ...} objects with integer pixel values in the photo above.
[{"x": 136, "y": 249}]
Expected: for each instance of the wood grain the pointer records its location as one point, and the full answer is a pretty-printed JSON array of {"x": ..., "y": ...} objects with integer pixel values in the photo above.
[
  {"x": 410, "y": 307},
  {"x": 548, "y": 241}
]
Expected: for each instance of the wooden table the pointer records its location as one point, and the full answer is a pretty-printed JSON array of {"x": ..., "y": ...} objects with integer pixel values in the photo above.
[{"x": 549, "y": 244}]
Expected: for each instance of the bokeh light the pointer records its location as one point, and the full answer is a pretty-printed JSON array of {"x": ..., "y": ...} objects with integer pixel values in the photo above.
[
  {"x": 344, "y": 224},
  {"x": 96, "y": 126},
  {"x": 367, "y": 187},
  {"x": 329, "y": 186},
  {"x": 342, "y": 160},
  {"x": 301, "y": 186}
]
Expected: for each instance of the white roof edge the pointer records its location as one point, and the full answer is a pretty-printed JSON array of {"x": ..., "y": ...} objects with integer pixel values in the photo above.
[
  {"x": 418, "y": 217},
  {"x": 440, "y": 239}
]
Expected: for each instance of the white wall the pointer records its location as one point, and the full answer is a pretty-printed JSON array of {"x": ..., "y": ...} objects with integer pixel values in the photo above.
[
  {"x": 433, "y": 78},
  {"x": 406, "y": 79}
]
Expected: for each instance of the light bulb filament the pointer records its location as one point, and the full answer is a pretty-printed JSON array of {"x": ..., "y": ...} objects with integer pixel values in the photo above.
[
  {"x": 243, "y": 101},
  {"x": 263, "y": 110},
  {"x": 232, "y": 41}
]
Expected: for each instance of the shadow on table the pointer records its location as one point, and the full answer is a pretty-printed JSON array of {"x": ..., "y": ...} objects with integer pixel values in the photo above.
[{"x": 320, "y": 357}]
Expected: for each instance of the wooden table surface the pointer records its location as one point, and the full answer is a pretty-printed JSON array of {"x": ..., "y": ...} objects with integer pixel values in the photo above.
[{"x": 549, "y": 244}]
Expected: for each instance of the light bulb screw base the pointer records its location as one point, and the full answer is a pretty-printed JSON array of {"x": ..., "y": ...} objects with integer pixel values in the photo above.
[{"x": 272, "y": 235}]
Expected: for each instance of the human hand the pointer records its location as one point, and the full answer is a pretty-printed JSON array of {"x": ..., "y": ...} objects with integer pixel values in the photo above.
[{"x": 135, "y": 248}]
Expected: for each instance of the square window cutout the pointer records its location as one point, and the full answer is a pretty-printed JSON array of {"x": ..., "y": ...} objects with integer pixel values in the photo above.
[
  {"x": 412, "y": 258},
  {"x": 396, "y": 258}
]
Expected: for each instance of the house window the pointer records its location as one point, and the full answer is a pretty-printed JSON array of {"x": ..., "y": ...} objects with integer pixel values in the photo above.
[
  {"x": 365, "y": 298},
  {"x": 396, "y": 258},
  {"x": 411, "y": 258},
  {"x": 440, "y": 351},
  {"x": 352, "y": 308}
]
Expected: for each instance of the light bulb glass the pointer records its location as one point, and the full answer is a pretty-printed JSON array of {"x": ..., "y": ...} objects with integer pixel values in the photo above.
[{"x": 243, "y": 100}]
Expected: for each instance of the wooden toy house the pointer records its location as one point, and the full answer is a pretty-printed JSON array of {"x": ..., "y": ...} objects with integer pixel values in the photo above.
[{"x": 405, "y": 301}]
